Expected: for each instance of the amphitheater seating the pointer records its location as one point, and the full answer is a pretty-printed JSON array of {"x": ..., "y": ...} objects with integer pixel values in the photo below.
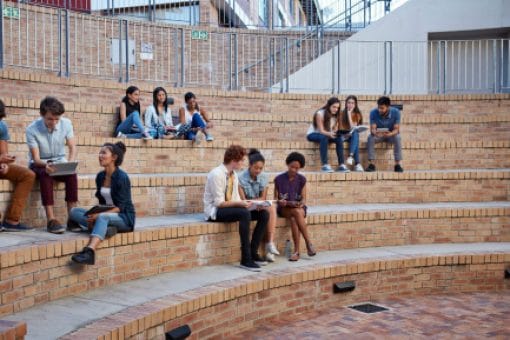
[{"x": 454, "y": 192}]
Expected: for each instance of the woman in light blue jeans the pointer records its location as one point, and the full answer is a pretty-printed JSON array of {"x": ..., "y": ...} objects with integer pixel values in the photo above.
[{"x": 130, "y": 123}]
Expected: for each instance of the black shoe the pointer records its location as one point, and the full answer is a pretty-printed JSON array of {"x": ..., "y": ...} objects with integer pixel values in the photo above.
[
  {"x": 259, "y": 260},
  {"x": 398, "y": 168},
  {"x": 55, "y": 227},
  {"x": 370, "y": 168},
  {"x": 110, "y": 231},
  {"x": 252, "y": 266},
  {"x": 73, "y": 226},
  {"x": 15, "y": 227},
  {"x": 86, "y": 256}
]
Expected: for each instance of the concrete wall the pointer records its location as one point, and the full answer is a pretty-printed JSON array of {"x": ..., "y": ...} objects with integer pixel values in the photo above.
[{"x": 366, "y": 62}]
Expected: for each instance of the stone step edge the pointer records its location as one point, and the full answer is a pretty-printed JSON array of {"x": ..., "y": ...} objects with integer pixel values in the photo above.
[
  {"x": 152, "y": 313},
  {"x": 140, "y": 180},
  {"x": 45, "y": 249},
  {"x": 17, "y": 138},
  {"x": 81, "y": 81}
]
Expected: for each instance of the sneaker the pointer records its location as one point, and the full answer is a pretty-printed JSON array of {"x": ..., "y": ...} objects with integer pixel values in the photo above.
[
  {"x": 358, "y": 168},
  {"x": 343, "y": 168},
  {"x": 271, "y": 248},
  {"x": 251, "y": 266},
  {"x": 73, "y": 226},
  {"x": 2, "y": 228},
  {"x": 86, "y": 256},
  {"x": 15, "y": 227},
  {"x": 398, "y": 168},
  {"x": 350, "y": 161},
  {"x": 370, "y": 168},
  {"x": 146, "y": 136},
  {"x": 326, "y": 168},
  {"x": 55, "y": 227},
  {"x": 121, "y": 135},
  {"x": 209, "y": 138},
  {"x": 259, "y": 260},
  {"x": 269, "y": 257}
]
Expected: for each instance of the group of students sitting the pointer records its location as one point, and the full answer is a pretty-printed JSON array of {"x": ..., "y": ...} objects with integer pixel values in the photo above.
[
  {"x": 330, "y": 125},
  {"x": 194, "y": 122}
]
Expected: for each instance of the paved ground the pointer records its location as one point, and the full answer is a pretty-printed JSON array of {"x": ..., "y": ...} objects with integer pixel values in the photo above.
[
  {"x": 454, "y": 316},
  {"x": 59, "y": 317}
]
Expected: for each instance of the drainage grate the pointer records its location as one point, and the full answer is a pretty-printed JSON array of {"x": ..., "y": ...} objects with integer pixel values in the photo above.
[{"x": 368, "y": 308}]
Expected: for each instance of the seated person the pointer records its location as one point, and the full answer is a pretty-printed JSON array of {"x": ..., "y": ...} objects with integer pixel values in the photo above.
[
  {"x": 158, "y": 116},
  {"x": 47, "y": 138},
  {"x": 113, "y": 188},
  {"x": 22, "y": 178},
  {"x": 130, "y": 122},
  {"x": 253, "y": 186},
  {"x": 351, "y": 117},
  {"x": 388, "y": 118},
  {"x": 195, "y": 118},
  {"x": 290, "y": 191},
  {"x": 323, "y": 131},
  {"x": 222, "y": 203}
]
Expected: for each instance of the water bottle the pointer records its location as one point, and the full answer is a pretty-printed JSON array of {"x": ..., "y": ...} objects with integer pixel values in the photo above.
[{"x": 288, "y": 249}]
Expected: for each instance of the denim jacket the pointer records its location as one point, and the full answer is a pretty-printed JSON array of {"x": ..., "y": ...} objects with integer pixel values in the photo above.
[{"x": 121, "y": 195}]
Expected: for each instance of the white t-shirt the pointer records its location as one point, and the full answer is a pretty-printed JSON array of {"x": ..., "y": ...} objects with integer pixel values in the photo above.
[
  {"x": 320, "y": 113},
  {"x": 107, "y": 195}
]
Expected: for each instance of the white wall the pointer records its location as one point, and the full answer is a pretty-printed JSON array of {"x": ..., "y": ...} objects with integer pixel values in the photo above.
[{"x": 365, "y": 60}]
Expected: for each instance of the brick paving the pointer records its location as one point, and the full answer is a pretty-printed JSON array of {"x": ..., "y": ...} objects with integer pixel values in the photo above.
[{"x": 463, "y": 315}]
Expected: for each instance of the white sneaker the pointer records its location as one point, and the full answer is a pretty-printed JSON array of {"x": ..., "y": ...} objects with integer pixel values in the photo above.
[
  {"x": 326, "y": 168},
  {"x": 350, "y": 161},
  {"x": 271, "y": 248},
  {"x": 358, "y": 168},
  {"x": 146, "y": 136},
  {"x": 209, "y": 138},
  {"x": 343, "y": 168},
  {"x": 269, "y": 257},
  {"x": 121, "y": 135}
]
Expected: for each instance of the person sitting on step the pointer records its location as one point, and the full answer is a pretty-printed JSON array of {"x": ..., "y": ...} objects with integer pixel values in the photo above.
[
  {"x": 350, "y": 119},
  {"x": 158, "y": 116},
  {"x": 222, "y": 203},
  {"x": 130, "y": 122},
  {"x": 190, "y": 114},
  {"x": 384, "y": 127},
  {"x": 116, "y": 212},
  {"x": 253, "y": 186},
  {"x": 47, "y": 138},
  {"x": 22, "y": 178},
  {"x": 290, "y": 191}
]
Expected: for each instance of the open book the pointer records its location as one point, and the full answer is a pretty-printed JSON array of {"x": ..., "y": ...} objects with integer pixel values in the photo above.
[{"x": 259, "y": 204}]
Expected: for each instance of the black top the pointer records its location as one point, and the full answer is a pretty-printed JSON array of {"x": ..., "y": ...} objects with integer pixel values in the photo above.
[{"x": 131, "y": 108}]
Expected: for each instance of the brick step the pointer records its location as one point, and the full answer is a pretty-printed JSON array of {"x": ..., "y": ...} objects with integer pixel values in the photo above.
[
  {"x": 36, "y": 265},
  {"x": 99, "y": 121},
  {"x": 219, "y": 301},
  {"x": 166, "y": 156},
  {"x": 160, "y": 194}
]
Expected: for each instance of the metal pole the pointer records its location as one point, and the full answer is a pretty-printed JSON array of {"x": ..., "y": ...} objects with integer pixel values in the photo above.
[
  {"x": 230, "y": 68},
  {"x": 182, "y": 57},
  {"x": 271, "y": 62},
  {"x": 127, "y": 50},
  {"x": 287, "y": 65},
  {"x": 1, "y": 34},
  {"x": 338, "y": 67},
  {"x": 385, "y": 69},
  {"x": 281, "y": 72},
  {"x": 120, "y": 51},
  {"x": 67, "y": 43},
  {"x": 190, "y": 18},
  {"x": 501, "y": 68},
  {"x": 176, "y": 58},
  {"x": 236, "y": 78},
  {"x": 438, "y": 68},
  {"x": 365, "y": 13},
  {"x": 445, "y": 67},
  {"x": 59, "y": 27},
  {"x": 495, "y": 65},
  {"x": 391, "y": 66}
]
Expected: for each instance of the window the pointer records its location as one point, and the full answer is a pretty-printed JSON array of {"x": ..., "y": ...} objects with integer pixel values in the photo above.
[{"x": 263, "y": 11}]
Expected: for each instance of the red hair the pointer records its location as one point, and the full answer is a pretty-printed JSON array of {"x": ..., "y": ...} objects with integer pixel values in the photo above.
[{"x": 234, "y": 153}]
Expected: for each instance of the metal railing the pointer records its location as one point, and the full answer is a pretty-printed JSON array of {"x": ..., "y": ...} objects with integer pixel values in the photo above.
[{"x": 71, "y": 44}]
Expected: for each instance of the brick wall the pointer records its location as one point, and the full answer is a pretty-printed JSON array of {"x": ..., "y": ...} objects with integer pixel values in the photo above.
[{"x": 225, "y": 309}]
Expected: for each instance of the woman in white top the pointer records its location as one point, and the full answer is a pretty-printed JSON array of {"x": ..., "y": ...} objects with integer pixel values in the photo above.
[
  {"x": 158, "y": 116},
  {"x": 196, "y": 117},
  {"x": 323, "y": 130}
]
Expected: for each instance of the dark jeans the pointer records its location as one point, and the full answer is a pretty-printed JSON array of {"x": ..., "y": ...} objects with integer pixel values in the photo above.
[
  {"x": 244, "y": 216},
  {"x": 196, "y": 122},
  {"x": 323, "y": 146}
]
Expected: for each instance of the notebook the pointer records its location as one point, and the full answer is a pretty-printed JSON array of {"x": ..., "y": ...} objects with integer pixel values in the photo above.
[{"x": 62, "y": 169}]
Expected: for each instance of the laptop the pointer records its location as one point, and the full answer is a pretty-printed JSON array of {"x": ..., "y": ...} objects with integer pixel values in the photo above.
[{"x": 65, "y": 168}]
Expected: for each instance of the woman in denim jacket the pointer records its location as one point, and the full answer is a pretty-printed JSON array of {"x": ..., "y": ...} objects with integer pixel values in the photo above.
[{"x": 113, "y": 189}]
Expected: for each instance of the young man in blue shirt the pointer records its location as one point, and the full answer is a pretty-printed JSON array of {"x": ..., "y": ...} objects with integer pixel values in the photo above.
[{"x": 384, "y": 127}]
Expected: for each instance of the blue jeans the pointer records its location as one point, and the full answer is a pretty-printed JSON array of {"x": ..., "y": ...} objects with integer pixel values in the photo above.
[
  {"x": 196, "y": 122},
  {"x": 126, "y": 127},
  {"x": 353, "y": 139},
  {"x": 103, "y": 220},
  {"x": 323, "y": 146}
]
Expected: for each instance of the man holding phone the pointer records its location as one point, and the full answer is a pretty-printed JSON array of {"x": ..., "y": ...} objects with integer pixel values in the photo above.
[
  {"x": 384, "y": 127},
  {"x": 22, "y": 178}
]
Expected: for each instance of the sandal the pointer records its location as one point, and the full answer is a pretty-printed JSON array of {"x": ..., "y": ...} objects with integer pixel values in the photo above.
[
  {"x": 294, "y": 257},
  {"x": 311, "y": 250}
]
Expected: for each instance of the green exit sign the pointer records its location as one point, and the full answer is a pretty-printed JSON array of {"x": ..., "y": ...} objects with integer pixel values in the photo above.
[
  {"x": 199, "y": 35},
  {"x": 11, "y": 12}
]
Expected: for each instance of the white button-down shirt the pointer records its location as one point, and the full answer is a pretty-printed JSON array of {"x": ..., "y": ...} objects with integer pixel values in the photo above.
[{"x": 215, "y": 189}]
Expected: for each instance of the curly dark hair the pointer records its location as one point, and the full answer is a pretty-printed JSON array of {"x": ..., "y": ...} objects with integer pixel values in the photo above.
[
  {"x": 52, "y": 105},
  {"x": 118, "y": 149},
  {"x": 295, "y": 157},
  {"x": 234, "y": 153}
]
